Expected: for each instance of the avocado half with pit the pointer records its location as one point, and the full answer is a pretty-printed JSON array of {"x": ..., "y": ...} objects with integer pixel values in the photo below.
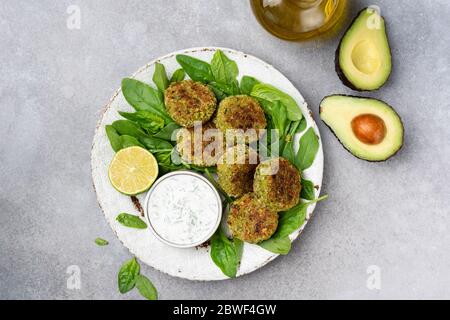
[
  {"x": 370, "y": 129},
  {"x": 363, "y": 58}
]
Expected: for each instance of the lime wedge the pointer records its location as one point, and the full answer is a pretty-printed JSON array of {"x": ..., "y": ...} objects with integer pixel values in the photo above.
[{"x": 133, "y": 170}]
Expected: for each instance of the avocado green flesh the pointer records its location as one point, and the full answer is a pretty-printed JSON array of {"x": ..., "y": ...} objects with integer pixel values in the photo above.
[
  {"x": 339, "y": 111},
  {"x": 364, "y": 53}
]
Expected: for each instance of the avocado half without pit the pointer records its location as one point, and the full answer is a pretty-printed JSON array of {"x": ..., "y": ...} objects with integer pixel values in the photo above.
[
  {"x": 370, "y": 129},
  {"x": 363, "y": 58}
]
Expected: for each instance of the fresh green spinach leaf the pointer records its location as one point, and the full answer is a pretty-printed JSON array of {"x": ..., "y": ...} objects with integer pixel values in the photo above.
[
  {"x": 145, "y": 119},
  {"x": 101, "y": 242},
  {"x": 156, "y": 144},
  {"x": 127, "y": 275},
  {"x": 129, "y": 141},
  {"x": 309, "y": 145},
  {"x": 269, "y": 93},
  {"x": 223, "y": 69},
  {"x": 247, "y": 84},
  {"x": 131, "y": 221},
  {"x": 146, "y": 288},
  {"x": 288, "y": 152},
  {"x": 160, "y": 77},
  {"x": 114, "y": 138},
  {"x": 293, "y": 219},
  {"x": 129, "y": 128},
  {"x": 277, "y": 245},
  {"x": 197, "y": 69},
  {"x": 302, "y": 126},
  {"x": 224, "y": 90},
  {"x": 178, "y": 75},
  {"x": 168, "y": 132},
  {"x": 279, "y": 117},
  {"x": 143, "y": 97},
  {"x": 226, "y": 253},
  {"x": 220, "y": 95},
  {"x": 307, "y": 192},
  {"x": 288, "y": 148}
]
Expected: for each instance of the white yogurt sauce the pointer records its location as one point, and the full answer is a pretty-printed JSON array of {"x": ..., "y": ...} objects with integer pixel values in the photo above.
[{"x": 183, "y": 209}]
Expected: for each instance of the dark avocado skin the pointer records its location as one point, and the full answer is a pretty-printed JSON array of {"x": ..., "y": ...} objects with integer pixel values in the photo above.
[
  {"x": 351, "y": 96},
  {"x": 339, "y": 71}
]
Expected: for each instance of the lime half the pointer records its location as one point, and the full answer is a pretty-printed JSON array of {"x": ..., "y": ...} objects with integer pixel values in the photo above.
[{"x": 133, "y": 170}]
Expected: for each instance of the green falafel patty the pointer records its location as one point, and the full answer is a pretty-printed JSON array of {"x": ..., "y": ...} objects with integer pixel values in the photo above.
[
  {"x": 236, "y": 169},
  {"x": 250, "y": 221},
  {"x": 189, "y": 101},
  {"x": 243, "y": 115},
  {"x": 277, "y": 184},
  {"x": 200, "y": 146}
]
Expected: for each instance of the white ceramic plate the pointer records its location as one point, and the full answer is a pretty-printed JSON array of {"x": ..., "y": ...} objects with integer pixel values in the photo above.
[{"x": 194, "y": 263}]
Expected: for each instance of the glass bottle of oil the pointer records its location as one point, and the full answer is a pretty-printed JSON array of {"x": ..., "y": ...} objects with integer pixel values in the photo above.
[{"x": 298, "y": 19}]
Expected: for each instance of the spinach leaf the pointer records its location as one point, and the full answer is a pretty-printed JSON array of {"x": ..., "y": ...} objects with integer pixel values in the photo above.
[
  {"x": 168, "y": 132},
  {"x": 160, "y": 77},
  {"x": 146, "y": 288},
  {"x": 302, "y": 126},
  {"x": 197, "y": 69},
  {"x": 270, "y": 93},
  {"x": 101, "y": 242},
  {"x": 163, "y": 156},
  {"x": 155, "y": 144},
  {"x": 288, "y": 152},
  {"x": 269, "y": 144},
  {"x": 279, "y": 117},
  {"x": 131, "y": 221},
  {"x": 309, "y": 145},
  {"x": 145, "y": 119},
  {"x": 223, "y": 69},
  {"x": 129, "y": 141},
  {"x": 226, "y": 253},
  {"x": 178, "y": 75},
  {"x": 288, "y": 149},
  {"x": 277, "y": 245},
  {"x": 247, "y": 84},
  {"x": 143, "y": 97},
  {"x": 127, "y": 275},
  {"x": 129, "y": 128},
  {"x": 220, "y": 95},
  {"x": 293, "y": 219},
  {"x": 224, "y": 90},
  {"x": 307, "y": 192},
  {"x": 114, "y": 138}
]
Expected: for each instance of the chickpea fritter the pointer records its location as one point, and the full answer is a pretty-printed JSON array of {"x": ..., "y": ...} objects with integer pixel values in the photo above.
[
  {"x": 242, "y": 113},
  {"x": 277, "y": 184},
  {"x": 236, "y": 169},
  {"x": 250, "y": 221},
  {"x": 189, "y": 101},
  {"x": 201, "y": 147}
]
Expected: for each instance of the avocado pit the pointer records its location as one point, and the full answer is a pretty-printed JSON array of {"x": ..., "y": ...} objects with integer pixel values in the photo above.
[{"x": 369, "y": 129}]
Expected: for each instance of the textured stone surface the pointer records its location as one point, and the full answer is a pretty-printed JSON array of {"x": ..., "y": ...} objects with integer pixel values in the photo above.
[{"x": 54, "y": 81}]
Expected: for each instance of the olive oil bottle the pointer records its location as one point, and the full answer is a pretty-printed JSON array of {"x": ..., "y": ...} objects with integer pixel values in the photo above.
[{"x": 298, "y": 19}]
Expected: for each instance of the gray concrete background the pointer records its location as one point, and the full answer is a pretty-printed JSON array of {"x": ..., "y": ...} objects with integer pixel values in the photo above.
[{"x": 54, "y": 81}]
